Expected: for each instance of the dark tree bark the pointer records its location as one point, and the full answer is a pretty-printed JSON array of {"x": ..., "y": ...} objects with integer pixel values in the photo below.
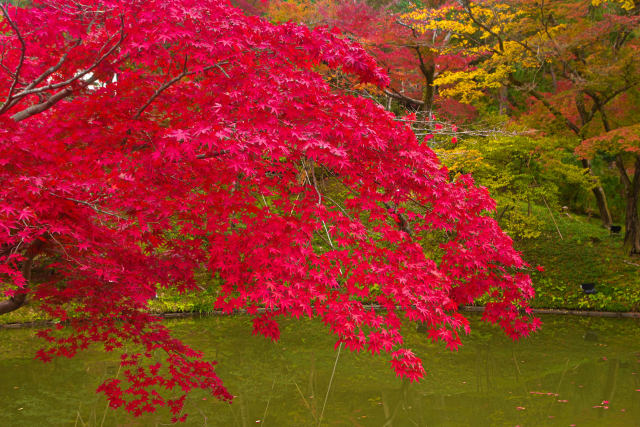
[
  {"x": 18, "y": 300},
  {"x": 632, "y": 194},
  {"x": 601, "y": 198},
  {"x": 428, "y": 69}
]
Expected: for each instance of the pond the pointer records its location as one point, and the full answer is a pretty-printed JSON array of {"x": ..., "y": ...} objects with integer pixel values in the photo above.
[{"x": 575, "y": 371}]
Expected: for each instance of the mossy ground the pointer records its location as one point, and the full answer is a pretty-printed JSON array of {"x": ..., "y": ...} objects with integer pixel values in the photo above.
[{"x": 586, "y": 252}]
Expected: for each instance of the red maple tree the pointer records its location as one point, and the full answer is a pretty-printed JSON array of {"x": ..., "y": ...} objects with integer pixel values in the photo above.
[{"x": 142, "y": 141}]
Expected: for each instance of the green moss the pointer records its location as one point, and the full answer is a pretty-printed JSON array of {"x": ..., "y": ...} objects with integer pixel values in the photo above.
[{"x": 587, "y": 252}]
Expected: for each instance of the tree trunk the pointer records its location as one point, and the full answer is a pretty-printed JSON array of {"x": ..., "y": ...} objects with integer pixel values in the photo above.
[
  {"x": 503, "y": 99},
  {"x": 428, "y": 69},
  {"x": 17, "y": 301},
  {"x": 426, "y": 108},
  {"x": 632, "y": 222},
  {"x": 601, "y": 199},
  {"x": 632, "y": 225}
]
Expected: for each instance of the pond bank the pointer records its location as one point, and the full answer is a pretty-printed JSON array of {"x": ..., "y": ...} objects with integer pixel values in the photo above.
[{"x": 468, "y": 309}]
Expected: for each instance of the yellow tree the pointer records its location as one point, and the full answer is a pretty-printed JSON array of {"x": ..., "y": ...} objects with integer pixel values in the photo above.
[{"x": 574, "y": 59}]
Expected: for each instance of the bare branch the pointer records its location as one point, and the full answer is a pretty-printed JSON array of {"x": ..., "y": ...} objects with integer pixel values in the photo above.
[
  {"x": 38, "y": 108},
  {"x": 48, "y": 103}
]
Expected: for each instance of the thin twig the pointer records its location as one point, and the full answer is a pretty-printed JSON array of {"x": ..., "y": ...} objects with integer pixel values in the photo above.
[
  {"x": 326, "y": 397},
  {"x": 162, "y": 89},
  {"x": 314, "y": 183},
  {"x": 554, "y": 220},
  {"x": 266, "y": 409},
  {"x": 339, "y": 207},
  {"x": 313, "y": 414}
]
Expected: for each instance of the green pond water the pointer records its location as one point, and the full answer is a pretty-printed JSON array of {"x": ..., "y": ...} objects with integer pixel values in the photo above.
[{"x": 559, "y": 377}]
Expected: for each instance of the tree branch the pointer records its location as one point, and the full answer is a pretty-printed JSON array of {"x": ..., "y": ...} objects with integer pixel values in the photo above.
[
  {"x": 174, "y": 80},
  {"x": 401, "y": 221},
  {"x": 89, "y": 204},
  {"x": 394, "y": 94},
  {"x": 39, "y": 108},
  {"x": 23, "y": 49},
  {"x": 467, "y": 8},
  {"x": 624, "y": 177},
  {"x": 54, "y": 99},
  {"x": 212, "y": 155},
  {"x": 44, "y": 75},
  {"x": 553, "y": 110},
  {"x": 83, "y": 72}
]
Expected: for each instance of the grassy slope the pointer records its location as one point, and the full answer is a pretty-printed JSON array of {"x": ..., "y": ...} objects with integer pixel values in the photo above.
[{"x": 585, "y": 253}]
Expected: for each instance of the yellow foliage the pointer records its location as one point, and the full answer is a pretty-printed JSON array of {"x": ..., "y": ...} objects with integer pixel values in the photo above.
[
  {"x": 498, "y": 19},
  {"x": 467, "y": 86},
  {"x": 463, "y": 160},
  {"x": 424, "y": 20},
  {"x": 625, "y": 4}
]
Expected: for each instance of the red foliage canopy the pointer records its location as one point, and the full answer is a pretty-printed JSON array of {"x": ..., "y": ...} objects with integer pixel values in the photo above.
[{"x": 142, "y": 141}]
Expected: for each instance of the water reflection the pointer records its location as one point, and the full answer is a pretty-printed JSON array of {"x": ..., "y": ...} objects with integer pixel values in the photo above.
[{"x": 582, "y": 371}]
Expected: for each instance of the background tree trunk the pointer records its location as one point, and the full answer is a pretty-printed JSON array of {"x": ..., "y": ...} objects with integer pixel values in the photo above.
[
  {"x": 601, "y": 198},
  {"x": 17, "y": 301},
  {"x": 632, "y": 222}
]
